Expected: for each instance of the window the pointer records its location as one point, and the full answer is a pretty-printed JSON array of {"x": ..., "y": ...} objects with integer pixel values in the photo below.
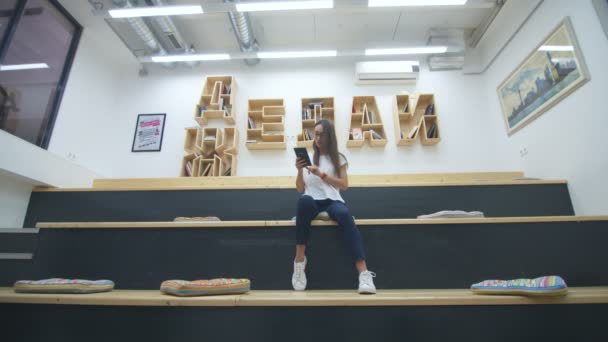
[{"x": 39, "y": 39}]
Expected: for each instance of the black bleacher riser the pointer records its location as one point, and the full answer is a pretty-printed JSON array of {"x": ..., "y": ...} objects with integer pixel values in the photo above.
[
  {"x": 280, "y": 204},
  {"x": 522, "y": 323},
  {"x": 18, "y": 242},
  {"x": 404, "y": 257}
]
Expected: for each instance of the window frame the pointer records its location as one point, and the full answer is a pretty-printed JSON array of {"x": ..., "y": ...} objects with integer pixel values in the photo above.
[{"x": 44, "y": 135}]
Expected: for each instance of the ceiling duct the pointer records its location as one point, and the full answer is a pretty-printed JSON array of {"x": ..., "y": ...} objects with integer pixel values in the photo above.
[
  {"x": 446, "y": 62},
  {"x": 241, "y": 24},
  {"x": 143, "y": 31},
  {"x": 170, "y": 32},
  {"x": 455, "y": 40}
]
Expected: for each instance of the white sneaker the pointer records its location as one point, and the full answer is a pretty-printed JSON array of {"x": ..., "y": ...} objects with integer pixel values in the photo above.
[
  {"x": 366, "y": 282},
  {"x": 298, "y": 279}
]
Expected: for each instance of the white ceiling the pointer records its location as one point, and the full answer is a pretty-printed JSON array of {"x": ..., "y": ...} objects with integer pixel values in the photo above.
[{"x": 350, "y": 25}]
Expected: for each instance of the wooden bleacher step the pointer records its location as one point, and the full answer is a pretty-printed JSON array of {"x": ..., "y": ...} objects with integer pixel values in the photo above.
[
  {"x": 417, "y": 297},
  {"x": 389, "y": 196},
  {"x": 406, "y": 254}
]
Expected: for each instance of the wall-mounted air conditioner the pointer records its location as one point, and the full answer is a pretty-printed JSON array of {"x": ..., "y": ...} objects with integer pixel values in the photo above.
[{"x": 387, "y": 72}]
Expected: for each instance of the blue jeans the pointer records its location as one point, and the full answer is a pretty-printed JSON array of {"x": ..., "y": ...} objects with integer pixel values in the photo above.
[{"x": 308, "y": 209}]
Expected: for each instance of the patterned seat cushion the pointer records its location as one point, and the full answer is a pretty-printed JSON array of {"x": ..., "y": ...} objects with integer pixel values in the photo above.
[
  {"x": 60, "y": 285},
  {"x": 218, "y": 286},
  {"x": 452, "y": 214},
  {"x": 542, "y": 286},
  {"x": 197, "y": 219}
]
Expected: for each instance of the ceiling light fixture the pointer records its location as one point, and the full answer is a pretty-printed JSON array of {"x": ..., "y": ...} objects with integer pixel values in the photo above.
[
  {"x": 155, "y": 11},
  {"x": 23, "y": 66},
  {"x": 283, "y": 5},
  {"x": 190, "y": 58},
  {"x": 298, "y": 54},
  {"x": 406, "y": 51},
  {"x": 396, "y": 3},
  {"x": 556, "y": 48}
]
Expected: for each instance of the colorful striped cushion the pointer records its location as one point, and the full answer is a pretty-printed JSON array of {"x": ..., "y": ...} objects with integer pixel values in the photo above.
[
  {"x": 197, "y": 219},
  {"x": 60, "y": 285},
  {"x": 542, "y": 286},
  {"x": 453, "y": 214},
  {"x": 218, "y": 286}
]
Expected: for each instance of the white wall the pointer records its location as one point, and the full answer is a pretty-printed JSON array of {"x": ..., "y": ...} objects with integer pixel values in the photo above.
[
  {"x": 14, "y": 198},
  {"x": 568, "y": 141},
  {"x": 84, "y": 124},
  {"x": 468, "y": 144}
]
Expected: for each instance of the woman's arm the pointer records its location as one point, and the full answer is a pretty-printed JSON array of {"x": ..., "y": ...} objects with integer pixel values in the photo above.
[{"x": 300, "y": 163}]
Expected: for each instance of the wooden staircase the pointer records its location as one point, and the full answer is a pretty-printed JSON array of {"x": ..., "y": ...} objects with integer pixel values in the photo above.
[{"x": 424, "y": 268}]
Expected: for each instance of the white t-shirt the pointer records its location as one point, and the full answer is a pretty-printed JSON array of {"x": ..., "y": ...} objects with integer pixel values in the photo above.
[{"x": 317, "y": 188}]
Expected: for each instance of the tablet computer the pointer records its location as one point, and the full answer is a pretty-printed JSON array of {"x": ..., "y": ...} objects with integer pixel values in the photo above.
[{"x": 302, "y": 153}]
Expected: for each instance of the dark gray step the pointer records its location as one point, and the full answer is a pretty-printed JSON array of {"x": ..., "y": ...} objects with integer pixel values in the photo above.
[
  {"x": 404, "y": 257},
  {"x": 280, "y": 204},
  {"x": 18, "y": 243},
  {"x": 522, "y": 323}
]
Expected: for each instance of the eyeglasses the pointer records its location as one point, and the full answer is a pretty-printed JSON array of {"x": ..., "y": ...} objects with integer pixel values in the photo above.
[{"x": 319, "y": 134}]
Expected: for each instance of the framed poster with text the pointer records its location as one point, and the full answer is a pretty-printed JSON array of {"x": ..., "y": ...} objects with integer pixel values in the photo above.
[{"x": 148, "y": 133}]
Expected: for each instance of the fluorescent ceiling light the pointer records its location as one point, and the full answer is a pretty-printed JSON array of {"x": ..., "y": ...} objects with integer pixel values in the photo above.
[
  {"x": 556, "y": 48},
  {"x": 395, "y": 3},
  {"x": 406, "y": 51},
  {"x": 24, "y": 66},
  {"x": 155, "y": 11},
  {"x": 283, "y": 5},
  {"x": 296, "y": 54},
  {"x": 189, "y": 58}
]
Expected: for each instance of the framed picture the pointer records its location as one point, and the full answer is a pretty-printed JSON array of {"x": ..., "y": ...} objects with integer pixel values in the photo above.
[
  {"x": 149, "y": 130},
  {"x": 601, "y": 7},
  {"x": 546, "y": 76}
]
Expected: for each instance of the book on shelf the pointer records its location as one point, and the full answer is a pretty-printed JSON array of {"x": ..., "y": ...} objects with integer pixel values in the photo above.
[
  {"x": 318, "y": 112},
  {"x": 251, "y": 123},
  {"x": 406, "y": 107},
  {"x": 207, "y": 170},
  {"x": 201, "y": 109},
  {"x": 357, "y": 134},
  {"x": 430, "y": 109},
  {"x": 370, "y": 117},
  {"x": 412, "y": 132},
  {"x": 227, "y": 89},
  {"x": 313, "y": 104},
  {"x": 306, "y": 134},
  {"x": 220, "y": 103},
  {"x": 226, "y": 172},
  {"x": 353, "y": 109},
  {"x": 189, "y": 168},
  {"x": 375, "y": 135},
  {"x": 401, "y": 135},
  {"x": 227, "y": 110},
  {"x": 432, "y": 132}
]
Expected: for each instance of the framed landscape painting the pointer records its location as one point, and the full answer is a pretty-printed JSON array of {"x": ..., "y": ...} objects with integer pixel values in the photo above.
[{"x": 546, "y": 76}]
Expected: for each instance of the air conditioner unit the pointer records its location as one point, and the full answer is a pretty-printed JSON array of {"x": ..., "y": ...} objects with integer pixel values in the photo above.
[{"x": 387, "y": 72}]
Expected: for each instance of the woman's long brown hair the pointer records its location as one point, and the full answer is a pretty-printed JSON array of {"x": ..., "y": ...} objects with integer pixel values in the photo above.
[{"x": 330, "y": 142}]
